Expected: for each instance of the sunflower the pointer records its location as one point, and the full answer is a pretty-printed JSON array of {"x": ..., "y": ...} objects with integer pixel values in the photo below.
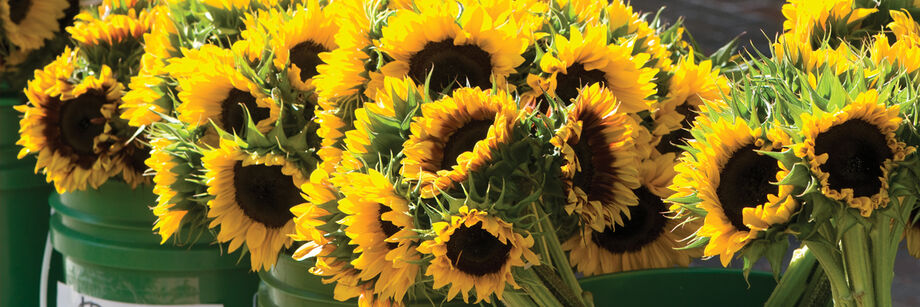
[
  {"x": 147, "y": 97},
  {"x": 110, "y": 29},
  {"x": 218, "y": 94},
  {"x": 300, "y": 41},
  {"x": 131, "y": 159},
  {"x": 621, "y": 19},
  {"x": 67, "y": 125},
  {"x": 817, "y": 17},
  {"x": 28, "y": 23},
  {"x": 734, "y": 184},
  {"x": 585, "y": 58},
  {"x": 162, "y": 163},
  {"x": 648, "y": 239},
  {"x": 253, "y": 195},
  {"x": 795, "y": 48},
  {"x": 599, "y": 171},
  {"x": 296, "y": 39},
  {"x": 342, "y": 72},
  {"x": 456, "y": 135},
  {"x": 905, "y": 51},
  {"x": 455, "y": 49},
  {"x": 689, "y": 87},
  {"x": 380, "y": 118},
  {"x": 852, "y": 151},
  {"x": 476, "y": 250},
  {"x": 380, "y": 224}
]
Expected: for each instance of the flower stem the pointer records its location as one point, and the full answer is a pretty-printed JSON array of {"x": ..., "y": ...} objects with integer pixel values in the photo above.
[
  {"x": 558, "y": 259},
  {"x": 858, "y": 261},
  {"x": 832, "y": 265},
  {"x": 795, "y": 285},
  {"x": 536, "y": 290}
]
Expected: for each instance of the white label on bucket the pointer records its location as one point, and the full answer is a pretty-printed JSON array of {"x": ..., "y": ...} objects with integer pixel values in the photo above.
[{"x": 68, "y": 297}]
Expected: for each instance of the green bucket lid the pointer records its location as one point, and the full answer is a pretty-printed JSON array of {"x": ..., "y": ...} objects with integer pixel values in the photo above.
[{"x": 680, "y": 287}]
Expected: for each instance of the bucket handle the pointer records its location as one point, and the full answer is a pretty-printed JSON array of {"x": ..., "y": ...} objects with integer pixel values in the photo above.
[{"x": 46, "y": 267}]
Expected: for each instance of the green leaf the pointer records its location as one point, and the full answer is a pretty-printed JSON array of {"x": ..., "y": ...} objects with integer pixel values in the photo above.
[{"x": 800, "y": 176}]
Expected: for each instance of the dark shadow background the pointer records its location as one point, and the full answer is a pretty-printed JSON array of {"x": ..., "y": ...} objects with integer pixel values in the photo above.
[{"x": 715, "y": 22}]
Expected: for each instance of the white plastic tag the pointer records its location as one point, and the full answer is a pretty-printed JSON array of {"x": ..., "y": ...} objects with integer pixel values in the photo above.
[{"x": 68, "y": 297}]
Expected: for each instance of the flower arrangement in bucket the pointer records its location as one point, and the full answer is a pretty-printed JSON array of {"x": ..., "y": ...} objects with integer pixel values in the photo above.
[
  {"x": 817, "y": 143},
  {"x": 233, "y": 144},
  {"x": 72, "y": 119},
  {"x": 416, "y": 151},
  {"x": 498, "y": 186}
]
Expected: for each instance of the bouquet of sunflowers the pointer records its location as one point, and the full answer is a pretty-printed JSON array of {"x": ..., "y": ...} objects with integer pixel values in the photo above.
[
  {"x": 71, "y": 121},
  {"x": 417, "y": 151},
  {"x": 817, "y": 143}
]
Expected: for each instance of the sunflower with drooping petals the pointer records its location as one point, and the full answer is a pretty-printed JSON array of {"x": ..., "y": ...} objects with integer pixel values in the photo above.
[
  {"x": 853, "y": 149},
  {"x": 216, "y": 95},
  {"x": 162, "y": 162},
  {"x": 27, "y": 24},
  {"x": 475, "y": 249},
  {"x": 647, "y": 239},
  {"x": 310, "y": 218},
  {"x": 585, "y": 58},
  {"x": 455, "y": 136},
  {"x": 691, "y": 85},
  {"x": 816, "y": 16},
  {"x": 253, "y": 195},
  {"x": 380, "y": 224},
  {"x": 110, "y": 29},
  {"x": 343, "y": 73},
  {"x": 599, "y": 169},
  {"x": 453, "y": 47},
  {"x": 905, "y": 51},
  {"x": 147, "y": 97},
  {"x": 734, "y": 184},
  {"x": 67, "y": 125}
]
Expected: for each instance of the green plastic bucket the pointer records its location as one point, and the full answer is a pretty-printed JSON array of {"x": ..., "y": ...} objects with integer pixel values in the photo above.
[
  {"x": 23, "y": 213},
  {"x": 290, "y": 283},
  {"x": 680, "y": 287},
  {"x": 110, "y": 253}
]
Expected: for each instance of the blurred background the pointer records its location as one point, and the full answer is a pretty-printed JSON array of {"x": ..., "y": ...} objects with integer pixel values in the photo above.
[{"x": 714, "y": 23}]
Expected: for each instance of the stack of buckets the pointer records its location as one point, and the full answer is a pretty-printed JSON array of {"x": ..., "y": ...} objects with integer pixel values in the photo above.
[{"x": 23, "y": 213}]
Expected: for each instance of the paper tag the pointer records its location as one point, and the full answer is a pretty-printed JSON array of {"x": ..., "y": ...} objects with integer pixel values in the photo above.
[{"x": 68, "y": 297}]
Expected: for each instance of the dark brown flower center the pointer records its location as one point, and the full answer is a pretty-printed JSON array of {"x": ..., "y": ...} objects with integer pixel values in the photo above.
[
  {"x": 475, "y": 251},
  {"x": 451, "y": 66},
  {"x": 81, "y": 121},
  {"x": 19, "y": 9},
  {"x": 387, "y": 227},
  {"x": 596, "y": 176},
  {"x": 232, "y": 117},
  {"x": 584, "y": 177},
  {"x": 137, "y": 159},
  {"x": 463, "y": 140},
  {"x": 744, "y": 182},
  {"x": 670, "y": 141},
  {"x": 645, "y": 225},
  {"x": 856, "y": 151},
  {"x": 567, "y": 85},
  {"x": 265, "y": 194},
  {"x": 306, "y": 56}
]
